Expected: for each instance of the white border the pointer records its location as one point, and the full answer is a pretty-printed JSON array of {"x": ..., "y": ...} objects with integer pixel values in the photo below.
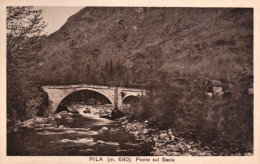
[{"x": 134, "y": 3}]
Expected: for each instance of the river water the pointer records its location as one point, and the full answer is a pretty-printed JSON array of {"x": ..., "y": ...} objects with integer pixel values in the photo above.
[{"x": 82, "y": 134}]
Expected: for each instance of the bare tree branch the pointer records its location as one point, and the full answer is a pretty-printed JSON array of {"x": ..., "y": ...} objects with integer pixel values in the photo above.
[{"x": 24, "y": 28}]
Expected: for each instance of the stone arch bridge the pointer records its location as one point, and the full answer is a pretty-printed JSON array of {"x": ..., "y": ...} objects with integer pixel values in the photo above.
[{"x": 115, "y": 95}]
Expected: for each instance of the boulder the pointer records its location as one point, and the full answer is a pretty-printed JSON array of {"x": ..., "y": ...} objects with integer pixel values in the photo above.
[
  {"x": 176, "y": 153},
  {"x": 208, "y": 94},
  {"x": 207, "y": 148},
  {"x": 63, "y": 112},
  {"x": 124, "y": 122},
  {"x": 155, "y": 138},
  {"x": 116, "y": 114},
  {"x": 208, "y": 153},
  {"x": 157, "y": 144},
  {"x": 170, "y": 132},
  {"x": 187, "y": 147},
  {"x": 172, "y": 137},
  {"x": 179, "y": 146},
  {"x": 172, "y": 148},
  {"x": 100, "y": 141},
  {"x": 104, "y": 128},
  {"x": 145, "y": 131},
  {"x": 218, "y": 91},
  {"x": 163, "y": 135},
  {"x": 86, "y": 111},
  {"x": 70, "y": 114},
  {"x": 202, "y": 154},
  {"x": 194, "y": 153}
]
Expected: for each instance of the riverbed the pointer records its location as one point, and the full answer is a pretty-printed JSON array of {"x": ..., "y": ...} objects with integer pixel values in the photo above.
[{"x": 85, "y": 133}]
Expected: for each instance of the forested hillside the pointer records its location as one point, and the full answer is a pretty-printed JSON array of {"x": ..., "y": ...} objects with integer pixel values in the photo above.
[{"x": 104, "y": 45}]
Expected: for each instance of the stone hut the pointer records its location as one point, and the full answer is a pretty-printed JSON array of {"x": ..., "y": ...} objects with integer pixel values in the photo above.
[{"x": 210, "y": 84}]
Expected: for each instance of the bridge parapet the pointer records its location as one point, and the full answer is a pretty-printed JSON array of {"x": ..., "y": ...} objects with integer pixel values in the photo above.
[{"x": 78, "y": 86}]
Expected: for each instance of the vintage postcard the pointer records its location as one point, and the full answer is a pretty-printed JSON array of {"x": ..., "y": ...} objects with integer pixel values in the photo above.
[{"x": 129, "y": 82}]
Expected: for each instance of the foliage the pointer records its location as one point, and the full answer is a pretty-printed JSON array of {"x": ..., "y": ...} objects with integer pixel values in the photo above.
[
  {"x": 225, "y": 123},
  {"x": 24, "y": 26},
  {"x": 216, "y": 44}
]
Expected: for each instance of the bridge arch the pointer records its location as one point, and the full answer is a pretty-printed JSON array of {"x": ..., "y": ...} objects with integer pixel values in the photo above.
[
  {"x": 131, "y": 98},
  {"x": 58, "y": 93},
  {"x": 84, "y": 92}
]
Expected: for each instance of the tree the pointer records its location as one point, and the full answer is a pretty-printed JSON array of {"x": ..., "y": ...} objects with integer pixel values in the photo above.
[
  {"x": 111, "y": 69},
  {"x": 24, "y": 27}
]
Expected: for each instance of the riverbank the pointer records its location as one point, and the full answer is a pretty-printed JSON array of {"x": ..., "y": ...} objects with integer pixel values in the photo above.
[{"x": 165, "y": 143}]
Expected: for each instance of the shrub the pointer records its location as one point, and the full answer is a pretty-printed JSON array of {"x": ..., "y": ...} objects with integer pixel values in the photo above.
[{"x": 219, "y": 121}]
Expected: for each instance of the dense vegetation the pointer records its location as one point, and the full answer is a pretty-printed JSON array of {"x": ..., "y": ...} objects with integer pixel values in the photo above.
[
  {"x": 174, "y": 51},
  {"x": 225, "y": 123},
  {"x": 105, "y": 45},
  {"x": 24, "y": 29}
]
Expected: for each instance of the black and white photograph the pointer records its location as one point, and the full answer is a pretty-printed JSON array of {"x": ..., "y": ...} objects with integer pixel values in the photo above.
[{"x": 129, "y": 81}]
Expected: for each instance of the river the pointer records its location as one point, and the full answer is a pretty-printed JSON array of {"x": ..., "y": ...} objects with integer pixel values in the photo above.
[{"x": 82, "y": 134}]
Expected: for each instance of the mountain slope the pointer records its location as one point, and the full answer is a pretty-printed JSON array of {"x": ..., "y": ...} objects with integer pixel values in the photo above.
[{"x": 195, "y": 42}]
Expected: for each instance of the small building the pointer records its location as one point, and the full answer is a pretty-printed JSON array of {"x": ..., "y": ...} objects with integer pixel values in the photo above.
[{"x": 210, "y": 85}]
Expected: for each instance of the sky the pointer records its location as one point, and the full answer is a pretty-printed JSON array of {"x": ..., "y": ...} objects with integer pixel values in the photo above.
[{"x": 55, "y": 17}]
